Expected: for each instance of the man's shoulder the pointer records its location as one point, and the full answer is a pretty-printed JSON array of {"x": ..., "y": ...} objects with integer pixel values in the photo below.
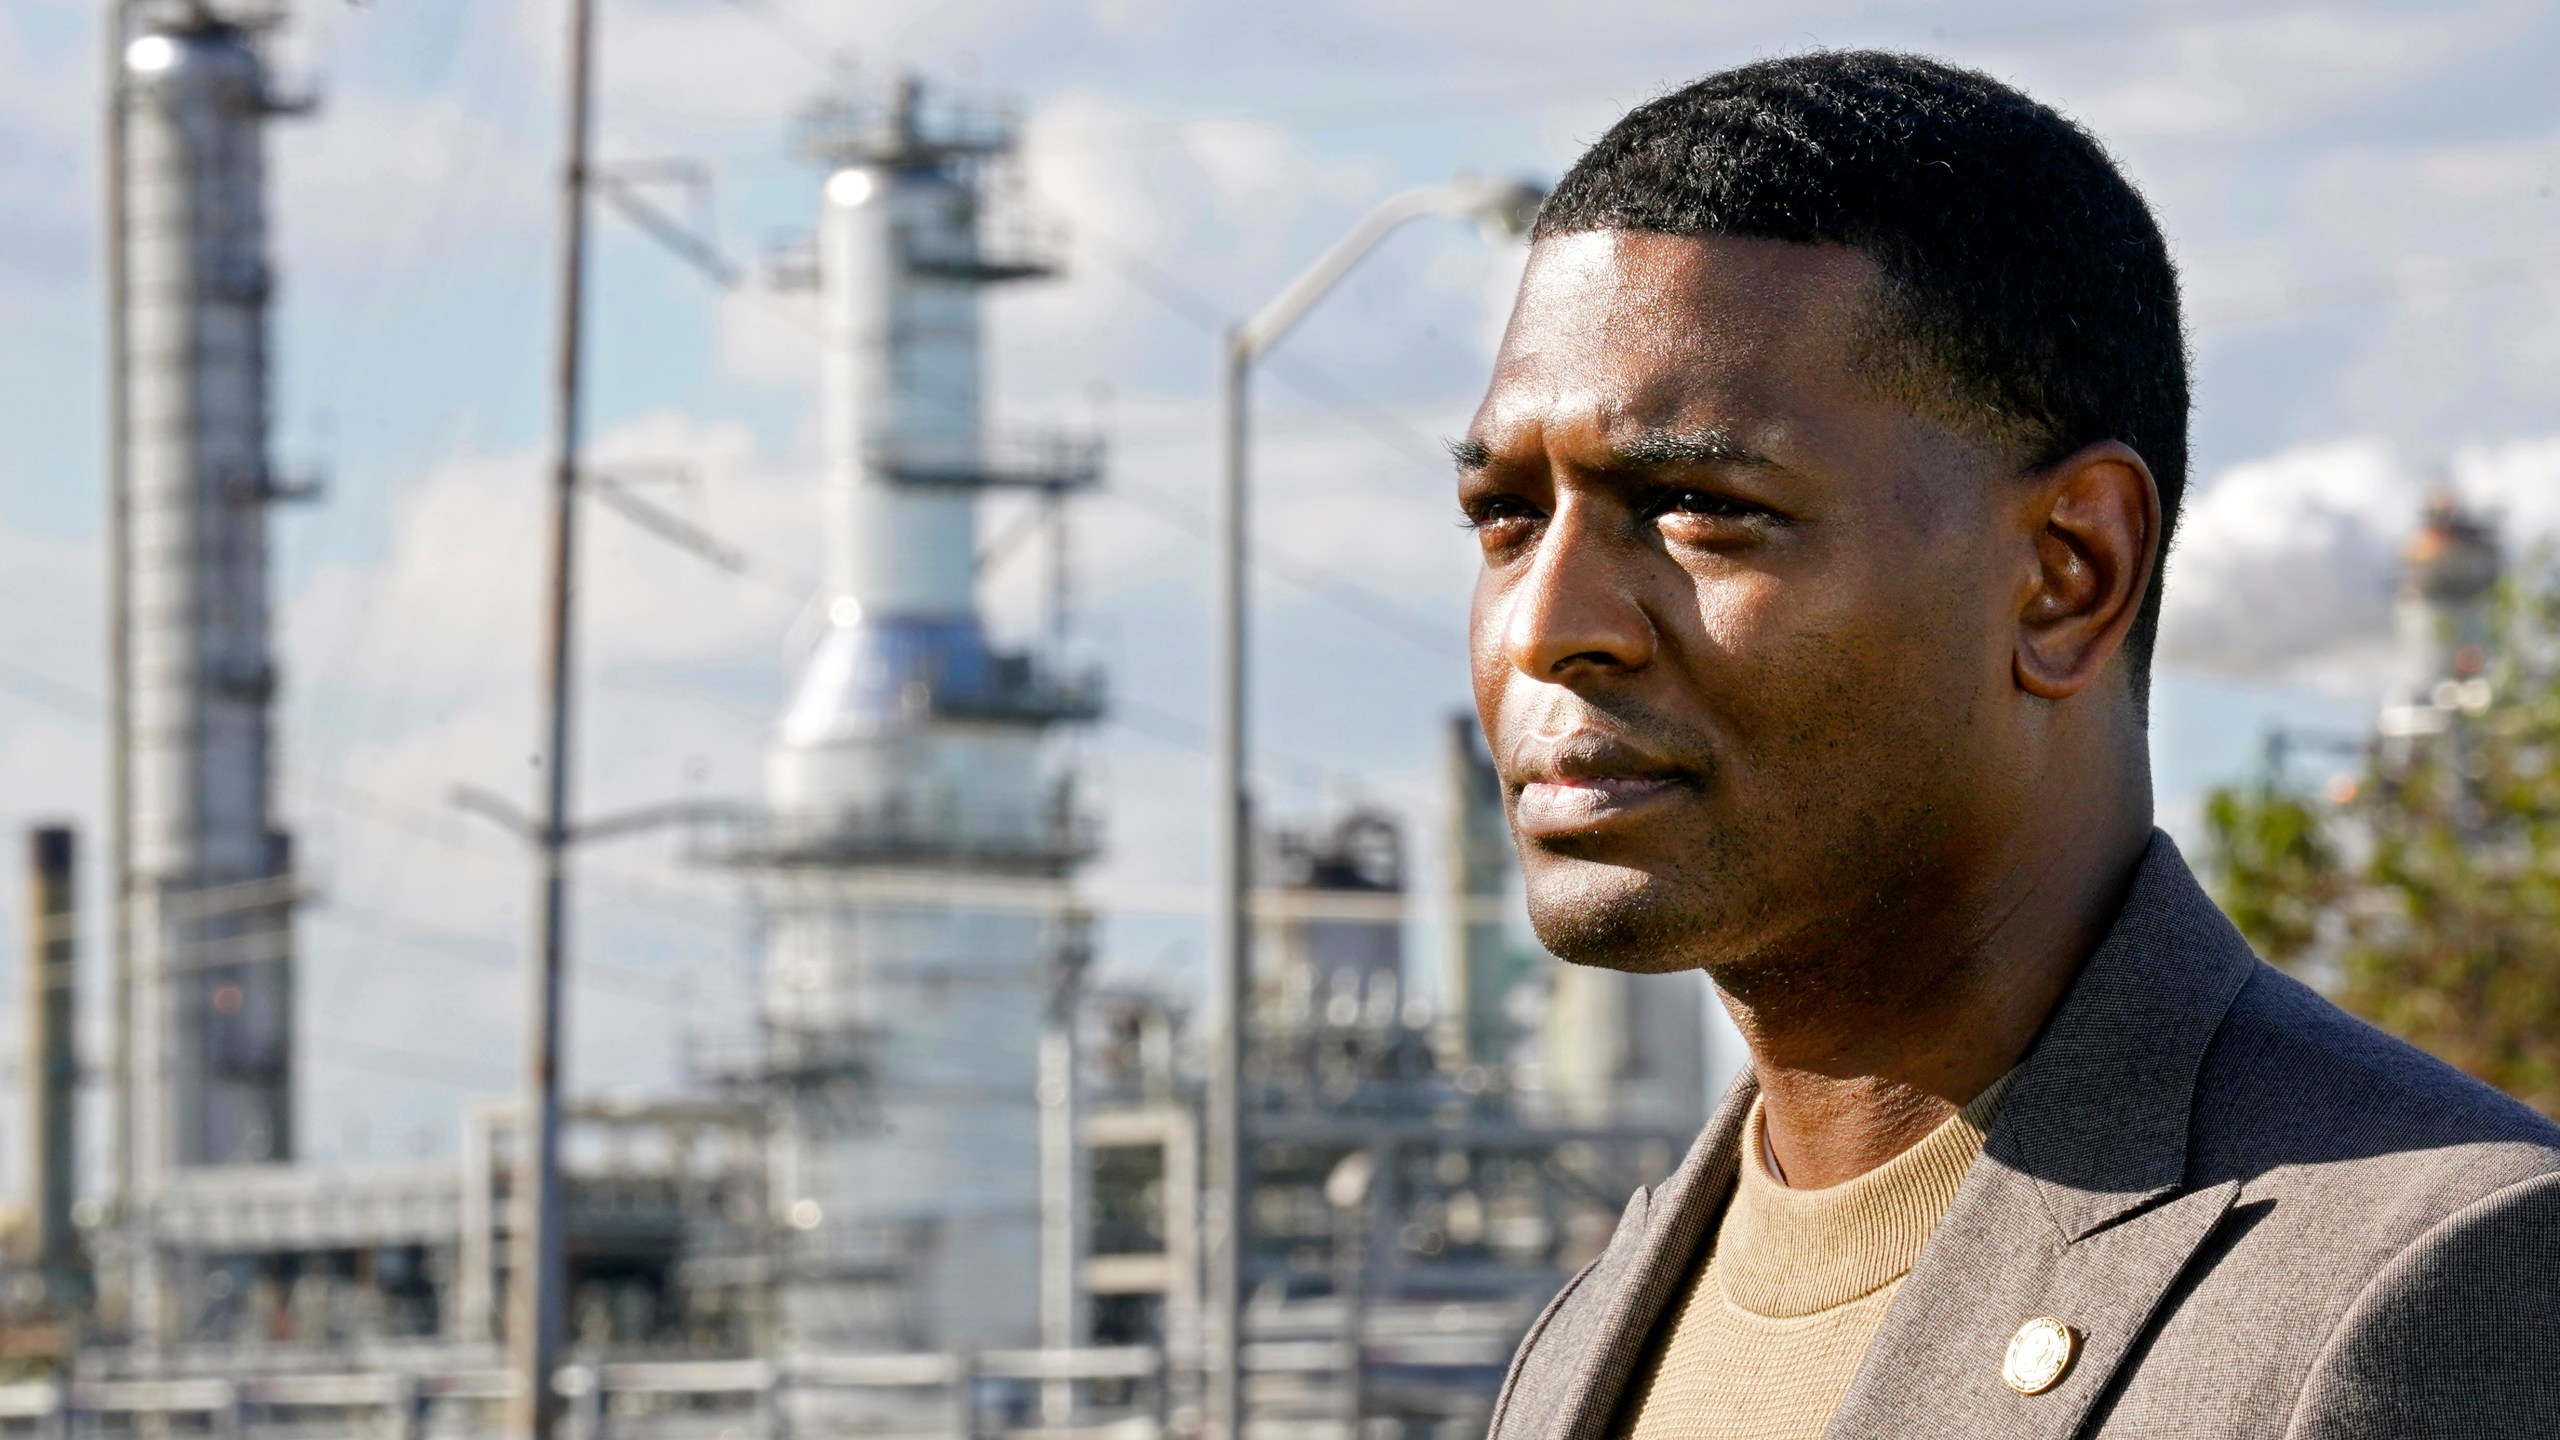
[
  {"x": 2300, "y": 1099},
  {"x": 2387, "y": 1259}
]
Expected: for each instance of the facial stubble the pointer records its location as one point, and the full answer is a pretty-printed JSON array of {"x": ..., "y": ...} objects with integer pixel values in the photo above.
[{"x": 1812, "y": 900}]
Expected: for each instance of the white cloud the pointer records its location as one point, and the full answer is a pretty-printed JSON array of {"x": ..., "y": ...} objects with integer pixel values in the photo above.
[
  {"x": 414, "y": 672},
  {"x": 702, "y": 62},
  {"x": 767, "y": 337},
  {"x": 2246, "y": 74},
  {"x": 378, "y": 169},
  {"x": 1092, "y": 165},
  {"x": 450, "y": 609},
  {"x": 1247, "y": 160},
  {"x": 1135, "y": 19},
  {"x": 1337, "y": 494},
  {"x": 660, "y": 65},
  {"x": 2285, "y": 567},
  {"x": 1087, "y": 157},
  {"x": 383, "y": 180}
]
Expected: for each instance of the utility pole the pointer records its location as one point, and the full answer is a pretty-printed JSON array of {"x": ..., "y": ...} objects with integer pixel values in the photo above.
[
  {"x": 119, "y": 606},
  {"x": 1230, "y": 940},
  {"x": 1506, "y": 207},
  {"x": 536, "y": 1304}
]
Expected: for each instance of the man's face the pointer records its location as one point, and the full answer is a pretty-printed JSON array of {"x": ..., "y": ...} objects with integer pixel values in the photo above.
[{"x": 1742, "y": 641}]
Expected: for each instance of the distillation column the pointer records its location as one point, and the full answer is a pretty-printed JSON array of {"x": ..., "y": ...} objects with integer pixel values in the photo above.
[
  {"x": 211, "y": 1044},
  {"x": 903, "y": 1023}
]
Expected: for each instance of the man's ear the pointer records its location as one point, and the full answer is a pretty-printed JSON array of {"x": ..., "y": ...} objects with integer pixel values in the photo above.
[{"x": 2095, "y": 522}]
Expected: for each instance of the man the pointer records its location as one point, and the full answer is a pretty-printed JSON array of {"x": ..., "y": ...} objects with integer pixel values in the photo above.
[{"x": 1823, "y": 487}]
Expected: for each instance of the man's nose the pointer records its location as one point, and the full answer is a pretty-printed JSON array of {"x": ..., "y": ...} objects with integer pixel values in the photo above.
[{"x": 1576, "y": 611}]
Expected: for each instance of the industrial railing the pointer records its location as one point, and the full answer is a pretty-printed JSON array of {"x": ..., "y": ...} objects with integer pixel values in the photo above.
[
  {"x": 1022, "y": 690},
  {"x": 1016, "y": 459},
  {"x": 1438, "y": 1360},
  {"x": 943, "y": 1390},
  {"x": 904, "y": 125},
  {"x": 1047, "y": 838},
  {"x": 1004, "y": 247}
]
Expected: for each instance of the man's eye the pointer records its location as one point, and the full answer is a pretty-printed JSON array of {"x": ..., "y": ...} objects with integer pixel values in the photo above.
[
  {"x": 1713, "y": 507},
  {"x": 1492, "y": 512}
]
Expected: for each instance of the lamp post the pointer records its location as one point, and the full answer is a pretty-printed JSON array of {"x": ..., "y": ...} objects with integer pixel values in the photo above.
[{"x": 1504, "y": 206}]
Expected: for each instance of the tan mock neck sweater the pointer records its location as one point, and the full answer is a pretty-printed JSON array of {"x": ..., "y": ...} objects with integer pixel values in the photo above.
[{"x": 1762, "y": 1341}]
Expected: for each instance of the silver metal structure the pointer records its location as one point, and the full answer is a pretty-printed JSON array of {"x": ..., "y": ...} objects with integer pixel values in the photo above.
[
  {"x": 1508, "y": 206},
  {"x": 905, "y": 1037},
  {"x": 115, "y": 30},
  {"x": 208, "y": 887}
]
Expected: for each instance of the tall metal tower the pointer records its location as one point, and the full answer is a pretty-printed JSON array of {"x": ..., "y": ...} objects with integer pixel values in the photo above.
[
  {"x": 2448, "y": 571},
  {"x": 905, "y": 996},
  {"x": 208, "y": 872}
]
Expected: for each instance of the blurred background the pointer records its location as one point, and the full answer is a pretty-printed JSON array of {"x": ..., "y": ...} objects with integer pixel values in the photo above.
[{"x": 891, "y": 1048}]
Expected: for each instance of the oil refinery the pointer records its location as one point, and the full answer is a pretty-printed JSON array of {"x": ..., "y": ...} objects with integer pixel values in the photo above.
[{"x": 946, "y": 1183}]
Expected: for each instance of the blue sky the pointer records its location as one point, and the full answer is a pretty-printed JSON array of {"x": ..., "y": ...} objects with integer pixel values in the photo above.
[{"x": 2360, "y": 194}]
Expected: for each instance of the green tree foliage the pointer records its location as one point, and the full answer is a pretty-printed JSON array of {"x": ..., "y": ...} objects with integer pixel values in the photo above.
[{"x": 2424, "y": 893}]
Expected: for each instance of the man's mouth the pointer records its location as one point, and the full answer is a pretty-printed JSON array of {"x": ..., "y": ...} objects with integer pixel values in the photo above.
[{"x": 1576, "y": 804}]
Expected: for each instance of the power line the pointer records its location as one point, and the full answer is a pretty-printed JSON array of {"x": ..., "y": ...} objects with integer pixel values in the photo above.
[
  {"x": 1188, "y": 303},
  {"x": 1167, "y": 728},
  {"x": 1349, "y": 596},
  {"x": 1530, "y": 96},
  {"x": 50, "y": 693},
  {"x": 799, "y": 38},
  {"x": 383, "y": 810},
  {"x": 980, "y": 891},
  {"x": 491, "y": 954},
  {"x": 1544, "y": 95},
  {"x": 446, "y": 828},
  {"x": 617, "y": 495}
]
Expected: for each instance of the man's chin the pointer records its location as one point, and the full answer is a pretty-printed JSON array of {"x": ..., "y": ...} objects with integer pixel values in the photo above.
[{"x": 1613, "y": 918}]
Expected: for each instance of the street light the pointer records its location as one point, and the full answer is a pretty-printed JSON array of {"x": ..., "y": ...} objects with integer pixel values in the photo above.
[{"x": 1503, "y": 207}]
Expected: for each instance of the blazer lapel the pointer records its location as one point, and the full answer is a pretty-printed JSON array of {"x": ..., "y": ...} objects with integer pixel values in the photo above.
[
  {"x": 1676, "y": 1222},
  {"x": 2078, "y": 1208},
  {"x": 1935, "y": 1370}
]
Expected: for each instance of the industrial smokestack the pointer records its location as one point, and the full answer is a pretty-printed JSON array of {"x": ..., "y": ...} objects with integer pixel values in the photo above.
[{"x": 53, "y": 1068}]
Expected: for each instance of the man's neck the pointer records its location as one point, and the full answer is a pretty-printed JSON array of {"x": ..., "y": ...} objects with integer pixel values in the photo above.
[{"x": 1853, "y": 1075}]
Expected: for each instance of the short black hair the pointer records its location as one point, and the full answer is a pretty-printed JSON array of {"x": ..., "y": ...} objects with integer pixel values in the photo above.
[{"x": 2029, "y": 295}]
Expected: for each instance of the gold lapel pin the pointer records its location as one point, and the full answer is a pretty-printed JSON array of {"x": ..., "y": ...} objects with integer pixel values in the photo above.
[{"x": 2038, "y": 1355}]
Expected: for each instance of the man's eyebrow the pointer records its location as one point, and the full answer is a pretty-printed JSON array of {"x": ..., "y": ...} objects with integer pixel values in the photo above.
[
  {"x": 1650, "y": 450},
  {"x": 1660, "y": 449}
]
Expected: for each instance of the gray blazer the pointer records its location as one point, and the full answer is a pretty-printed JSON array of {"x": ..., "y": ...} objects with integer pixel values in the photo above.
[{"x": 2263, "y": 1217}]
